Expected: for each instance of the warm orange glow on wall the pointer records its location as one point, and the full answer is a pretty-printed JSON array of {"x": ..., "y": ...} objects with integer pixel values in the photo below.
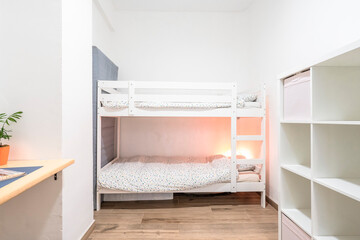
[
  {"x": 187, "y": 136},
  {"x": 245, "y": 152},
  {"x": 242, "y": 152},
  {"x": 227, "y": 153},
  {"x": 247, "y": 149}
]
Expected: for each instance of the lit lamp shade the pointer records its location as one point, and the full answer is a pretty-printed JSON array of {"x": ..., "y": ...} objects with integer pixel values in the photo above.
[{"x": 241, "y": 154}]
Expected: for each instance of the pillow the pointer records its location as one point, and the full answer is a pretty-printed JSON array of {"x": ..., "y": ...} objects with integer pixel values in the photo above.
[
  {"x": 249, "y": 97},
  {"x": 245, "y": 167},
  {"x": 258, "y": 168}
]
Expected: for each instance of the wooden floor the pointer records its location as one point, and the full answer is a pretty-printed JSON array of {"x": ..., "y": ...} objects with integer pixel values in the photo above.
[{"x": 188, "y": 216}]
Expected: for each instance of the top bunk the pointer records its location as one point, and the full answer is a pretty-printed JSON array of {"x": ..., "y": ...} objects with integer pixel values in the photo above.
[{"x": 178, "y": 99}]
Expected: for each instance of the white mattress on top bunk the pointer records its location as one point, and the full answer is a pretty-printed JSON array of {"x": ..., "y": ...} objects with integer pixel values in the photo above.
[
  {"x": 166, "y": 174},
  {"x": 243, "y": 101},
  {"x": 178, "y": 105}
]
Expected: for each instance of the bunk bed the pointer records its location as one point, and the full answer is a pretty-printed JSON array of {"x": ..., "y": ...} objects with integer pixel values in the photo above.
[{"x": 181, "y": 99}]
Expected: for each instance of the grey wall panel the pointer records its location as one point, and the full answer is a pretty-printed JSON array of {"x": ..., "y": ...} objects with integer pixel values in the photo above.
[
  {"x": 103, "y": 69},
  {"x": 108, "y": 132}
]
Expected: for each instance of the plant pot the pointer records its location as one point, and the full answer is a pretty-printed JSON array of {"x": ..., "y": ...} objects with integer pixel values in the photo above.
[{"x": 4, "y": 154}]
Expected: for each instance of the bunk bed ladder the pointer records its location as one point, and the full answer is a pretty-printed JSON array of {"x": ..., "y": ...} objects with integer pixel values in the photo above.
[{"x": 235, "y": 138}]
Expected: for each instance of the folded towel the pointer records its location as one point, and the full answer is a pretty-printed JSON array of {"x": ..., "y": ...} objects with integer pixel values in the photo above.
[{"x": 245, "y": 167}]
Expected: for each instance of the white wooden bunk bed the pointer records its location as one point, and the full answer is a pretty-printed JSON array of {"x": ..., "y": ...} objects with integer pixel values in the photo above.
[{"x": 182, "y": 99}]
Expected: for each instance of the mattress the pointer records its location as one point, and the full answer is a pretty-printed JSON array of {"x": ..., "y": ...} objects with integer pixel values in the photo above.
[
  {"x": 167, "y": 174},
  {"x": 178, "y": 105}
]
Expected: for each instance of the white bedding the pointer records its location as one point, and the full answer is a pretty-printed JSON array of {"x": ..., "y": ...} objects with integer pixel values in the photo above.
[
  {"x": 248, "y": 176},
  {"x": 164, "y": 174},
  {"x": 178, "y": 105}
]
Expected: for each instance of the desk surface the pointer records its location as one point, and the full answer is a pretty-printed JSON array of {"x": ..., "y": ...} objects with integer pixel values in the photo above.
[{"x": 49, "y": 168}]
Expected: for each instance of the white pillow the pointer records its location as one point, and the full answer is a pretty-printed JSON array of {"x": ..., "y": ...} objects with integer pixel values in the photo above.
[
  {"x": 249, "y": 97},
  {"x": 258, "y": 168},
  {"x": 245, "y": 167}
]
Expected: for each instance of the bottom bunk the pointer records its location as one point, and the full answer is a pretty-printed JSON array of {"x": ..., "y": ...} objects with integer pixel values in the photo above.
[
  {"x": 213, "y": 188},
  {"x": 155, "y": 174}
]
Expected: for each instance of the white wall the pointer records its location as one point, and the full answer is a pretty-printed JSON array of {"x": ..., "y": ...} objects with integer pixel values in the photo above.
[
  {"x": 179, "y": 46},
  {"x": 103, "y": 35},
  {"x": 77, "y": 116},
  {"x": 30, "y": 67},
  {"x": 35, "y": 214},
  {"x": 286, "y": 34}
]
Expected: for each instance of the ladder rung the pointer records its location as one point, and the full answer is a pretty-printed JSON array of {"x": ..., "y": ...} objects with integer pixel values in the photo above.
[
  {"x": 250, "y": 161},
  {"x": 250, "y": 138}
]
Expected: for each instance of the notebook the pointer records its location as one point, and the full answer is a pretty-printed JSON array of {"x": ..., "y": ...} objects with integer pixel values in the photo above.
[{"x": 6, "y": 174}]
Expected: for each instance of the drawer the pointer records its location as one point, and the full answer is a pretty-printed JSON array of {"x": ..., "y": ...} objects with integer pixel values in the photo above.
[{"x": 290, "y": 231}]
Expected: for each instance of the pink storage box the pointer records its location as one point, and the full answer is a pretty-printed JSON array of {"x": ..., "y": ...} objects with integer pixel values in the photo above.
[
  {"x": 291, "y": 231},
  {"x": 297, "y": 97}
]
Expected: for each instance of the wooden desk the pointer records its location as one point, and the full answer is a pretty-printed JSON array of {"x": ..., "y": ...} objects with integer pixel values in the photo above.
[{"x": 49, "y": 168}]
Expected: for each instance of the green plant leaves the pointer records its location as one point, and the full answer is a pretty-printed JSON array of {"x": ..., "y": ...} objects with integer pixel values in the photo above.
[{"x": 7, "y": 120}]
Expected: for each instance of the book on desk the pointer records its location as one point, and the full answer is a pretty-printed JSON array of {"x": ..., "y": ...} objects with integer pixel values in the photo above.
[{"x": 6, "y": 174}]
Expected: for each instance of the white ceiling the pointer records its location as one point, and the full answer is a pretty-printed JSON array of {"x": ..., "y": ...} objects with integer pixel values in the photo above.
[{"x": 182, "y": 5}]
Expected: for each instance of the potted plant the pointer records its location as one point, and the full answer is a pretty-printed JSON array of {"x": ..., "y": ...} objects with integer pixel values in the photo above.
[{"x": 5, "y": 121}]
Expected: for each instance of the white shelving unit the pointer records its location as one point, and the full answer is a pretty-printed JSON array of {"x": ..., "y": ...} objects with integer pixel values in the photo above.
[
  {"x": 320, "y": 156},
  {"x": 300, "y": 170},
  {"x": 296, "y": 205},
  {"x": 295, "y": 142}
]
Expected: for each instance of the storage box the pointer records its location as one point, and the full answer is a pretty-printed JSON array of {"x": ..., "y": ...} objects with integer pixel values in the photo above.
[
  {"x": 291, "y": 231},
  {"x": 297, "y": 97}
]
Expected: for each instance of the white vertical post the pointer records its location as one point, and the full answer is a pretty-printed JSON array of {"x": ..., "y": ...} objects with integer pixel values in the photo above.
[
  {"x": 98, "y": 153},
  {"x": 131, "y": 98},
  {"x": 263, "y": 147},
  {"x": 233, "y": 138}
]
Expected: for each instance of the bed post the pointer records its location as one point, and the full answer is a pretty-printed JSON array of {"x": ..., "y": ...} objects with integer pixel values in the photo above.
[
  {"x": 233, "y": 137},
  {"x": 98, "y": 146},
  {"x": 263, "y": 150},
  {"x": 131, "y": 94}
]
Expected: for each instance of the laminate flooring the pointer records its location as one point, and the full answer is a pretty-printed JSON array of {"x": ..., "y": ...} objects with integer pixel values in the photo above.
[{"x": 222, "y": 216}]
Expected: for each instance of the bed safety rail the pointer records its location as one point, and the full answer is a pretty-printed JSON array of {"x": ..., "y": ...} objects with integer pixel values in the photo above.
[{"x": 130, "y": 93}]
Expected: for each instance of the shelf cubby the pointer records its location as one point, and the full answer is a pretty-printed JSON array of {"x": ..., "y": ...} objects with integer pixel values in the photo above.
[
  {"x": 336, "y": 156},
  {"x": 336, "y": 151},
  {"x": 335, "y": 93},
  {"x": 296, "y": 199},
  {"x": 295, "y": 150},
  {"x": 335, "y": 216}
]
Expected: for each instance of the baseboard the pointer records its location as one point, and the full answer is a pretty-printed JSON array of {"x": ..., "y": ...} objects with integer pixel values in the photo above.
[
  {"x": 272, "y": 203},
  {"x": 89, "y": 231}
]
